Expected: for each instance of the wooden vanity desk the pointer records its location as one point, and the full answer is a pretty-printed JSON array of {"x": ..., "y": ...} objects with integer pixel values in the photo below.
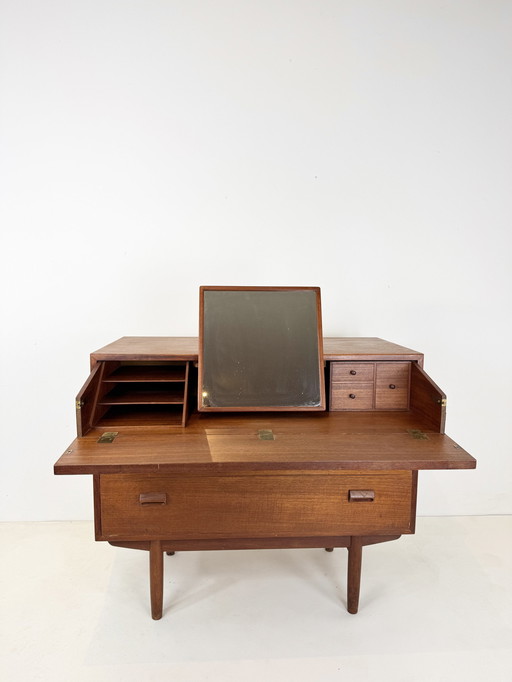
[{"x": 168, "y": 478}]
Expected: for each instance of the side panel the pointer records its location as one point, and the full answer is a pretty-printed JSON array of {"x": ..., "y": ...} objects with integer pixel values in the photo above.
[
  {"x": 87, "y": 399},
  {"x": 427, "y": 400}
]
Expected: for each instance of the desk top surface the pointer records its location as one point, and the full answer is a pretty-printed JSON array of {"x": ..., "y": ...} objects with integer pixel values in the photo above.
[
  {"x": 212, "y": 443},
  {"x": 187, "y": 348}
]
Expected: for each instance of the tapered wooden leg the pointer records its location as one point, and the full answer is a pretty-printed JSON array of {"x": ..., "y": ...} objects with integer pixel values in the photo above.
[
  {"x": 355, "y": 555},
  {"x": 156, "y": 578}
]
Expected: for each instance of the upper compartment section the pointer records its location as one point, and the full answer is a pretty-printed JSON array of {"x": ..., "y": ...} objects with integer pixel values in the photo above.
[{"x": 133, "y": 393}]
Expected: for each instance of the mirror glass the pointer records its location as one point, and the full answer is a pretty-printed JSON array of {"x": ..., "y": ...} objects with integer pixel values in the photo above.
[{"x": 260, "y": 348}]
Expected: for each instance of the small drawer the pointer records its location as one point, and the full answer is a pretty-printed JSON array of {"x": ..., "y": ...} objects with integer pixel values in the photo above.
[
  {"x": 352, "y": 371},
  {"x": 352, "y": 396},
  {"x": 392, "y": 385}
]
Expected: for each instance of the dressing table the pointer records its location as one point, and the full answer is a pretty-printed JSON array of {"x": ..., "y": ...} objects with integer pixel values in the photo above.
[{"x": 169, "y": 477}]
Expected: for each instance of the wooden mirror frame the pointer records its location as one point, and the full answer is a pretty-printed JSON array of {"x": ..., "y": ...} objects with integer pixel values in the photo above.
[{"x": 311, "y": 336}]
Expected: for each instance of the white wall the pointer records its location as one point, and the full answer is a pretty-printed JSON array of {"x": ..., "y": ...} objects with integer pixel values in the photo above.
[{"x": 151, "y": 146}]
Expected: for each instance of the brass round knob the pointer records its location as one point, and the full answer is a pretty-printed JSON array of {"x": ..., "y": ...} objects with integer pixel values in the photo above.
[
  {"x": 392, "y": 386},
  {"x": 352, "y": 395}
]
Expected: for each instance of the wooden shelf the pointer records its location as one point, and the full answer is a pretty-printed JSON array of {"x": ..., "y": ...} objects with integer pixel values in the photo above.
[
  {"x": 147, "y": 373},
  {"x": 161, "y": 395},
  {"x": 134, "y": 393},
  {"x": 141, "y": 415}
]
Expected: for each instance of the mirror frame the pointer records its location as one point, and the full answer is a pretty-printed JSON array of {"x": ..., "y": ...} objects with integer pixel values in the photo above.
[{"x": 257, "y": 408}]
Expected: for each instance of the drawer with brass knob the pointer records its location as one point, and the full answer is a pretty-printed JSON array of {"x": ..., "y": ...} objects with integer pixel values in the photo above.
[
  {"x": 352, "y": 396},
  {"x": 369, "y": 385}
]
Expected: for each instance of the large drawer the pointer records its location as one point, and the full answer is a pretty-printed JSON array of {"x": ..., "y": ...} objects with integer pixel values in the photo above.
[{"x": 255, "y": 505}]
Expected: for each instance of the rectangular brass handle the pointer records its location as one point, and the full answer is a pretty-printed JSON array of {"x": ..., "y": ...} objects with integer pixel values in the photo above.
[
  {"x": 152, "y": 498},
  {"x": 361, "y": 495}
]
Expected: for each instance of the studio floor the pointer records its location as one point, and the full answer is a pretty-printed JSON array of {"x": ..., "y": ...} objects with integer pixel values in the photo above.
[{"x": 435, "y": 606}]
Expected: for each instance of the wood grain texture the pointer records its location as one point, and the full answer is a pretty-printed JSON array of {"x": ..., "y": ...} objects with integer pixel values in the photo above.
[
  {"x": 355, "y": 555},
  {"x": 86, "y": 400},
  {"x": 427, "y": 400},
  {"x": 145, "y": 348},
  {"x": 392, "y": 385},
  {"x": 331, "y": 440},
  {"x": 156, "y": 578},
  {"x": 257, "y": 505},
  {"x": 357, "y": 395},
  {"x": 353, "y": 372},
  {"x": 253, "y": 543},
  {"x": 187, "y": 348}
]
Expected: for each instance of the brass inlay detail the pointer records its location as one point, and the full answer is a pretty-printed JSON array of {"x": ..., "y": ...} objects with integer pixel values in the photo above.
[
  {"x": 416, "y": 433},
  {"x": 107, "y": 437},
  {"x": 266, "y": 434}
]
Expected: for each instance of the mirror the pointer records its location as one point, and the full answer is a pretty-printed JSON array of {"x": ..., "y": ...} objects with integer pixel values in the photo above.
[{"x": 260, "y": 348}]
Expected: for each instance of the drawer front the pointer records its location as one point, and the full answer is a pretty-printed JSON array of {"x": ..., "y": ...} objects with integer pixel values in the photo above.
[
  {"x": 352, "y": 371},
  {"x": 255, "y": 505},
  {"x": 392, "y": 385},
  {"x": 352, "y": 396}
]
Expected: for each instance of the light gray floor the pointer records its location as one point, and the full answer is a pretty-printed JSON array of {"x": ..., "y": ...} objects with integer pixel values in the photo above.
[{"x": 434, "y": 606}]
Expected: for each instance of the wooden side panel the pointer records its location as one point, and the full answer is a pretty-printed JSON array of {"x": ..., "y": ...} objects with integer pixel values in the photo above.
[
  {"x": 285, "y": 505},
  {"x": 184, "y": 414},
  {"x": 87, "y": 399},
  {"x": 427, "y": 400}
]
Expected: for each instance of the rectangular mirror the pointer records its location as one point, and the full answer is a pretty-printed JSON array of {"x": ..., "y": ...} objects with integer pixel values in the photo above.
[{"x": 260, "y": 348}]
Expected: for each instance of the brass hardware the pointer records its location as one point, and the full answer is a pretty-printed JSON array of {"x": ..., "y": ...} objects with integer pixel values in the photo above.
[
  {"x": 266, "y": 434},
  {"x": 361, "y": 495},
  {"x": 418, "y": 434},
  {"x": 442, "y": 402},
  {"x": 79, "y": 404},
  {"x": 107, "y": 437}
]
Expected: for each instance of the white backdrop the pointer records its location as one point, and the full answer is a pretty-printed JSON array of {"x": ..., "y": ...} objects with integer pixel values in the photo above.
[{"x": 151, "y": 146}]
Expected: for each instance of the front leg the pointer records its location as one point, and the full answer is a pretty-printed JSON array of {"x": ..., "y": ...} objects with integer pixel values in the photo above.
[
  {"x": 355, "y": 555},
  {"x": 156, "y": 578}
]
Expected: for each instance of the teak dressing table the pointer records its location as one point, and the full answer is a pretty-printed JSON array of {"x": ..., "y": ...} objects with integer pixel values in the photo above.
[{"x": 169, "y": 478}]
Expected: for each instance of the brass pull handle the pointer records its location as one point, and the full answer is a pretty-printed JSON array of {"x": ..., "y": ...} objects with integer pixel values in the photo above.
[
  {"x": 361, "y": 495},
  {"x": 392, "y": 386},
  {"x": 152, "y": 498},
  {"x": 353, "y": 372},
  {"x": 352, "y": 396}
]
